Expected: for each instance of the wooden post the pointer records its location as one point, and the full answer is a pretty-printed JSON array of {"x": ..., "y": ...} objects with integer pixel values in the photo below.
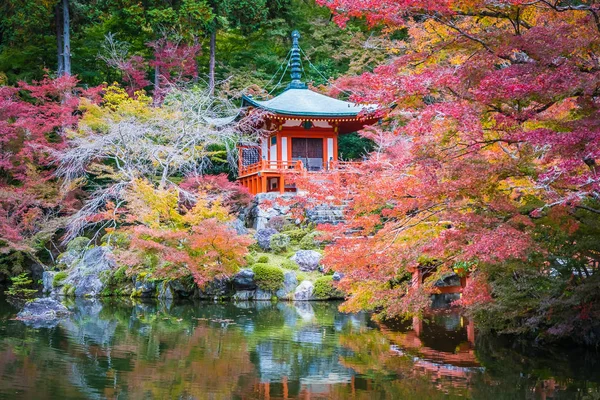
[
  {"x": 416, "y": 279},
  {"x": 263, "y": 184},
  {"x": 282, "y": 183}
]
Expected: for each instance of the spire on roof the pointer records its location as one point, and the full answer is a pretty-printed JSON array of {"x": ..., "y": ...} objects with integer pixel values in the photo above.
[{"x": 296, "y": 66}]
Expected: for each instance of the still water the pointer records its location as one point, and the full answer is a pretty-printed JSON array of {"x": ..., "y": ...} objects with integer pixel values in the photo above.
[{"x": 133, "y": 350}]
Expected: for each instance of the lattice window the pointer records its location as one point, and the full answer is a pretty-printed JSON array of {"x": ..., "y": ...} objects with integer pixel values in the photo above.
[{"x": 250, "y": 156}]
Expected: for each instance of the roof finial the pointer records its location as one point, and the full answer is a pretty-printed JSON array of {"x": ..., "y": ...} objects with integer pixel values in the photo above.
[{"x": 296, "y": 66}]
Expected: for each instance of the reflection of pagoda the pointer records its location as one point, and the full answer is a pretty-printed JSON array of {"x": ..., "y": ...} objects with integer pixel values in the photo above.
[{"x": 304, "y": 128}]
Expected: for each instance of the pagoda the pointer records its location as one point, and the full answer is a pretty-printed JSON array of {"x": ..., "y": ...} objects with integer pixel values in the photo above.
[{"x": 304, "y": 127}]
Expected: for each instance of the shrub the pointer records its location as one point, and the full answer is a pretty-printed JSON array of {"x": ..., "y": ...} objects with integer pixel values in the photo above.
[
  {"x": 263, "y": 259},
  {"x": 297, "y": 234},
  {"x": 58, "y": 278},
  {"x": 324, "y": 288},
  {"x": 289, "y": 264},
  {"x": 309, "y": 242},
  {"x": 279, "y": 242},
  {"x": 21, "y": 286},
  {"x": 249, "y": 259},
  {"x": 268, "y": 277}
]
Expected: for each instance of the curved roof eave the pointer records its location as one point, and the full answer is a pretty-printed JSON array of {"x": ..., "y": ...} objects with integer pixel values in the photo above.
[{"x": 287, "y": 112}]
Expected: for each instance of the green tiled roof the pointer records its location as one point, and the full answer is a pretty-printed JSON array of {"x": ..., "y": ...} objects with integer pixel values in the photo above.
[{"x": 305, "y": 102}]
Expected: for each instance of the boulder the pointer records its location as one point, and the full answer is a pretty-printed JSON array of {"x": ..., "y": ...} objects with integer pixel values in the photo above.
[
  {"x": 48, "y": 281},
  {"x": 83, "y": 278},
  {"x": 244, "y": 280},
  {"x": 243, "y": 295},
  {"x": 215, "y": 289},
  {"x": 304, "y": 291},
  {"x": 239, "y": 226},
  {"x": 263, "y": 295},
  {"x": 290, "y": 281},
  {"x": 263, "y": 237},
  {"x": 164, "y": 291},
  {"x": 43, "y": 313},
  {"x": 146, "y": 288},
  {"x": 307, "y": 260},
  {"x": 337, "y": 276}
]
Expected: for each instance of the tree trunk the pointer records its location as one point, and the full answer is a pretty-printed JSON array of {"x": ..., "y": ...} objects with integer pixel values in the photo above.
[
  {"x": 156, "y": 83},
  {"x": 211, "y": 63},
  {"x": 66, "y": 38},
  {"x": 60, "y": 69}
]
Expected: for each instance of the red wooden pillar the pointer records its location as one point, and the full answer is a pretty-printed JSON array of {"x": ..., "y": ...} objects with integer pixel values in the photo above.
[
  {"x": 416, "y": 279},
  {"x": 417, "y": 324},
  {"x": 281, "y": 183},
  {"x": 471, "y": 332},
  {"x": 263, "y": 184}
]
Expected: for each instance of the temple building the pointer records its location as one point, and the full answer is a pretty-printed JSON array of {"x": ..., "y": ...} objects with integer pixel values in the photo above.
[{"x": 304, "y": 127}]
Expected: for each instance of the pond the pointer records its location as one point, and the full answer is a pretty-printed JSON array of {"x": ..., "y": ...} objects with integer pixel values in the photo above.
[{"x": 131, "y": 350}]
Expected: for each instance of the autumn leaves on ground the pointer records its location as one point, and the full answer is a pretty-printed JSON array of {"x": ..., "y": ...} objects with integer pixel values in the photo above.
[{"x": 485, "y": 157}]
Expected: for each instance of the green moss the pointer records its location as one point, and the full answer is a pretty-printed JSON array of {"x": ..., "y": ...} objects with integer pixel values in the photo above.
[
  {"x": 289, "y": 264},
  {"x": 263, "y": 259},
  {"x": 250, "y": 259},
  {"x": 297, "y": 234},
  {"x": 68, "y": 290},
  {"x": 268, "y": 277},
  {"x": 58, "y": 278},
  {"x": 279, "y": 242},
  {"x": 78, "y": 244},
  {"x": 116, "y": 239},
  {"x": 309, "y": 242},
  {"x": 324, "y": 289}
]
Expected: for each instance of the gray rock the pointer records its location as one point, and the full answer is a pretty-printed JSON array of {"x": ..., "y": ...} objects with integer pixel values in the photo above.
[
  {"x": 239, "y": 227},
  {"x": 307, "y": 260},
  {"x": 243, "y": 295},
  {"x": 48, "y": 281},
  {"x": 164, "y": 291},
  {"x": 217, "y": 288},
  {"x": 43, "y": 313},
  {"x": 304, "y": 291},
  {"x": 244, "y": 280},
  {"x": 290, "y": 281},
  {"x": 337, "y": 276},
  {"x": 85, "y": 274},
  {"x": 263, "y": 237},
  {"x": 145, "y": 287},
  {"x": 258, "y": 214},
  {"x": 262, "y": 295}
]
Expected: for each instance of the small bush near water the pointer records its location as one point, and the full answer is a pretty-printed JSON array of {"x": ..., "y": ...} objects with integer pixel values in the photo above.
[
  {"x": 324, "y": 288},
  {"x": 268, "y": 277}
]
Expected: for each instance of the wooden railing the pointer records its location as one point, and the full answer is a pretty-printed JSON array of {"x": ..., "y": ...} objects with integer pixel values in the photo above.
[
  {"x": 294, "y": 166},
  {"x": 271, "y": 166}
]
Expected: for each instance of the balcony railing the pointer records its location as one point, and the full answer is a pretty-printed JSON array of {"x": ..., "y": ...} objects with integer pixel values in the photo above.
[{"x": 294, "y": 166}]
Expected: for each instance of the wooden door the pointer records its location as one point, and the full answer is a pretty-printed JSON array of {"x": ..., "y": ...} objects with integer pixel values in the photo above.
[{"x": 309, "y": 151}]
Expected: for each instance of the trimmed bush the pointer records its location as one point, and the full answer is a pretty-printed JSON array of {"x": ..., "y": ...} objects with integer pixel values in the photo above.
[
  {"x": 297, "y": 234},
  {"x": 58, "y": 278},
  {"x": 249, "y": 259},
  {"x": 324, "y": 288},
  {"x": 268, "y": 277},
  {"x": 289, "y": 264},
  {"x": 308, "y": 242},
  {"x": 263, "y": 259},
  {"x": 279, "y": 242}
]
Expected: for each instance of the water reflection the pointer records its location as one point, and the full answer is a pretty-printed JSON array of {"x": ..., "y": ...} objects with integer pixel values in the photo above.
[{"x": 126, "y": 350}]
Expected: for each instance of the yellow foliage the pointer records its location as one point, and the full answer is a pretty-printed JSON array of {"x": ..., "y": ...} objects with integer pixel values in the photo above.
[{"x": 160, "y": 208}]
